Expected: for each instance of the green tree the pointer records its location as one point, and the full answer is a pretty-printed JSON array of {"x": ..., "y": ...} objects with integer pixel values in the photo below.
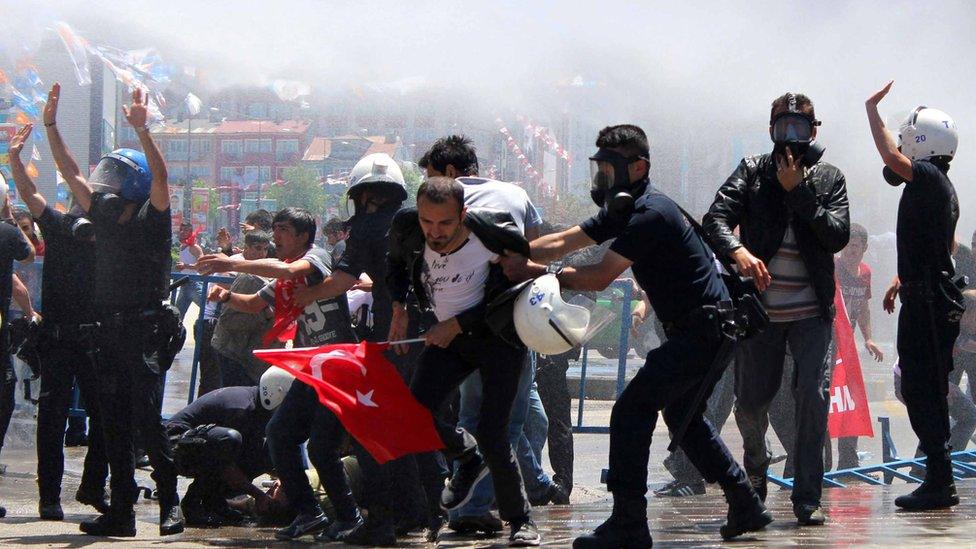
[{"x": 300, "y": 189}]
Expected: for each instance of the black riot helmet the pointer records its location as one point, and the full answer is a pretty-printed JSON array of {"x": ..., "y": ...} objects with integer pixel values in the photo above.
[{"x": 793, "y": 129}]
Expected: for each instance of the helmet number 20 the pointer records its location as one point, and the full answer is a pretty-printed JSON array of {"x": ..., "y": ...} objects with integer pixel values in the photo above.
[{"x": 920, "y": 138}]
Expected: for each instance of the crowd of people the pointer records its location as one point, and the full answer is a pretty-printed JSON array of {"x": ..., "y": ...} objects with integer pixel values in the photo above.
[{"x": 743, "y": 300}]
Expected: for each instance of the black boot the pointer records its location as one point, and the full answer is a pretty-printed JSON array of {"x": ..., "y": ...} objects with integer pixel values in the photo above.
[
  {"x": 96, "y": 497},
  {"x": 50, "y": 511},
  {"x": 937, "y": 492},
  {"x": 170, "y": 518},
  {"x": 626, "y": 527},
  {"x": 118, "y": 525},
  {"x": 747, "y": 513}
]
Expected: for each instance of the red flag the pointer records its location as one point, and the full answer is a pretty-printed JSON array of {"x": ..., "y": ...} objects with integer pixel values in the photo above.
[
  {"x": 366, "y": 393},
  {"x": 285, "y": 326},
  {"x": 849, "y": 415}
]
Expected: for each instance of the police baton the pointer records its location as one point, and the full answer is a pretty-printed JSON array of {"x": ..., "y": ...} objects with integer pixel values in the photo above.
[{"x": 177, "y": 283}]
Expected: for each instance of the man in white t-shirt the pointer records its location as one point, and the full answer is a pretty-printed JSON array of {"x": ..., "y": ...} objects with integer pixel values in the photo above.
[
  {"x": 190, "y": 251},
  {"x": 455, "y": 271}
]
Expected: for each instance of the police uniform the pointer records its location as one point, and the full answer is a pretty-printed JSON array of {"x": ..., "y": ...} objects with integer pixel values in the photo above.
[
  {"x": 927, "y": 216},
  {"x": 228, "y": 427},
  {"x": 13, "y": 247},
  {"x": 132, "y": 269},
  {"x": 66, "y": 350},
  {"x": 674, "y": 267}
]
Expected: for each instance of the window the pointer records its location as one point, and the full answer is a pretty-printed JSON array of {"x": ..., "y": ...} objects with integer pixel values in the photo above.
[
  {"x": 200, "y": 146},
  {"x": 228, "y": 175},
  {"x": 257, "y": 110},
  {"x": 231, "y": 148},
  {"x": 257, "y": 146},
  {"x": 200, "y": 172},
  {"x": 287, "y": 149},
  {"x": 265, "y": 174},
  {"x": 251, "y": 175},
  {"x": 176, "y": 146},
  {"x": 126, "y": 133}
]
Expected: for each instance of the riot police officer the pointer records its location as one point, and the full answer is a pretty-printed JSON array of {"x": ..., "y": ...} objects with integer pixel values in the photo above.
[
  {"x": 65, "y": 346},
  {"x": 127, "y": 199}
]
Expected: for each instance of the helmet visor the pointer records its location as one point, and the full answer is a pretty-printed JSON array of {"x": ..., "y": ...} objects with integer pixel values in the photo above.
[
  {"x": 792, "y": 128},
  {"x": 109, "y": 175}
]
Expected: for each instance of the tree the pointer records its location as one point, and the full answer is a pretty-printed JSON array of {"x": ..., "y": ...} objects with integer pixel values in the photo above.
[
  {"x": 300, "y": 189},
  {"x": 411, "y": 176}
]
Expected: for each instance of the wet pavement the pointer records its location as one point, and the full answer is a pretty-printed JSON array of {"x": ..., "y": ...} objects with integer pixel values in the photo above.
[{"x": 862, "y": 516}]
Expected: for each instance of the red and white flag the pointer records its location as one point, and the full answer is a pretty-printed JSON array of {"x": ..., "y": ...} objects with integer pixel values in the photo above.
[
  {"x": 849, "y": 414},
  {"x": 365, "y": 391}
]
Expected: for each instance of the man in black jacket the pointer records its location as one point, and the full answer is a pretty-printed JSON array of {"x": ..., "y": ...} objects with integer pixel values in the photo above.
[
  {"x": 792, "y": 214},
  {"x": 456, "y": 273}
]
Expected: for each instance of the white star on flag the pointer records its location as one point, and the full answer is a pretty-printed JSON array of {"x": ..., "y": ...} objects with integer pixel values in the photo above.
[{"x": 367, "y": 399}]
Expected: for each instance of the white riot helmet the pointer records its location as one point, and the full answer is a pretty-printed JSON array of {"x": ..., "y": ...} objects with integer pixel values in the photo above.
[
  {"x": 928, "y": 133},
  {"x": 377, "y": 170},
  {"x": 273, "y": 387},
  {"x": 546, "y": 323}
]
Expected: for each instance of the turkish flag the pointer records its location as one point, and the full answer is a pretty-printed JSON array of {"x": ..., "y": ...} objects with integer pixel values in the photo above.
[
  {"x": 849, "y": 415},
  {"x": 285, "y": 325},
  {"x": 366, "y": 393}
]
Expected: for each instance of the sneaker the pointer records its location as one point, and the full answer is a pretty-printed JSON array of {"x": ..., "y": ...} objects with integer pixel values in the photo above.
[
  {"x": 758, "y": 483},
  {"x": 108, "y": 526},
  {"x": 96, "y": 498},
  {"x": 679, "y": 489},
  {"x": 524, "y": 534},
  {"x": 372, "y": 534},
  {"x": 742, "y": 519},
  {"x": 928, "y": 496},
  {"x": 303, "y": 525},
  {"x": 459, "y": 491},
  {"x": 338, "y": 530},
  {"x": 616, "y": 533},
  {"x": 484, "y": 524},
  {"x": 51, "y": 511},
  {"x": 809, "y": 515},
  {"x": 170, "y": 519}
]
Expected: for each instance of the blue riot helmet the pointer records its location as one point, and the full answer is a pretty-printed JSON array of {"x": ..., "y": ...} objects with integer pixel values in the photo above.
[{"x": 124, "y": 172}]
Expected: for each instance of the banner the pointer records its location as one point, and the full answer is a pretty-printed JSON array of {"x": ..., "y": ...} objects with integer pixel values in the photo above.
[{"x": 849, "y": 414}]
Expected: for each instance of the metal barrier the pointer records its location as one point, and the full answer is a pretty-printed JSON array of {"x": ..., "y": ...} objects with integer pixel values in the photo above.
[{"x": 624, "y": 349}]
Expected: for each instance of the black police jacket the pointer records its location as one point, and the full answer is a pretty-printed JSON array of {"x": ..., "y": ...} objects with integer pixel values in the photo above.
[
  {"x": 753, "y": 200},
  {"x": 496, "y": 230}
]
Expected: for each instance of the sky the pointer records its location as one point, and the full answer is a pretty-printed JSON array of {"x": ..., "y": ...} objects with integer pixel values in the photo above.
[{"x": 705, "y": 67}]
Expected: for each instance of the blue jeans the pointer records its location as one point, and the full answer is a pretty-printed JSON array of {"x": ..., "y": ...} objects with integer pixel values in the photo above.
[
  {"x": 471, "y": 391},
  {"x": 530, "y": 443},
  {"x": 187, "y": 294}
]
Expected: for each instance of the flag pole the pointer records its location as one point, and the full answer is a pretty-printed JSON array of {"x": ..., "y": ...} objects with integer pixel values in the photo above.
[{"x": 406, "y": 341}]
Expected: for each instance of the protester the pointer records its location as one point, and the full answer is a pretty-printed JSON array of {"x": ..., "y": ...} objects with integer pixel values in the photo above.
[
  {"x": 792, "y": 212},
  {"x": 300, "y": 417},
  {"x": 190, "y": 251},
  {"x": 237, "y": 333},
  {"x": 455, "y": 275},
  {"x": 928, "y": 321},
  {"x": 127, "y": 200},
  {"x": 678, "y": 274},
  {"x": 336, "y": 232},
  {"x": 66, "y": 348}
]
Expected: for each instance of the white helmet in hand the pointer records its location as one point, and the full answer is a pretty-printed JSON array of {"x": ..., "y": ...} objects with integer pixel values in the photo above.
[
  {"x": 928, "y": 133},
  {"x": 546, "y": 323},
  {"x": 273, "y": 387}
]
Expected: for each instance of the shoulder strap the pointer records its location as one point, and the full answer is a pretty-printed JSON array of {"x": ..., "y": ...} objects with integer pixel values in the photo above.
[{"x": 701, "y": 234}]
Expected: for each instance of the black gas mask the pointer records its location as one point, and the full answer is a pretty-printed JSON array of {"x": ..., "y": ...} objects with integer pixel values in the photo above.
[
  {"x": 610, "y": 185},
  {"x": 793, "y": 130}
]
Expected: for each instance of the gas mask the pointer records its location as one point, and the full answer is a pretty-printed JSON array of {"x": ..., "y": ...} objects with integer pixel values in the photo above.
[
  {"x": 81, "y": 226},
  {"x": 610, "y": 185},
  {"x": 793, "y": 130}
]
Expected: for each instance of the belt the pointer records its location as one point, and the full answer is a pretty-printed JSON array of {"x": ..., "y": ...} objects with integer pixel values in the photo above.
[
  {"x": 715, "y": 313},
  {"x": 62, "y": 331}
]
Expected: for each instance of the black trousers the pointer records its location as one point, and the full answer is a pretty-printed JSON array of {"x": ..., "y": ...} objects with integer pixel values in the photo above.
[
  {"x": 550, "y": 376},
  {"x": 210, "y": 372},
  {"x": 130, "y": 399},
  {"x": 63, "y": 361},
  {"x": 8, "y": 391},
  {"x": 668, "y": 382},
  {"x": 440, "y": 371},
  {"x": 925, "y": 344},
  {"x": 302, "y": 417}
]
